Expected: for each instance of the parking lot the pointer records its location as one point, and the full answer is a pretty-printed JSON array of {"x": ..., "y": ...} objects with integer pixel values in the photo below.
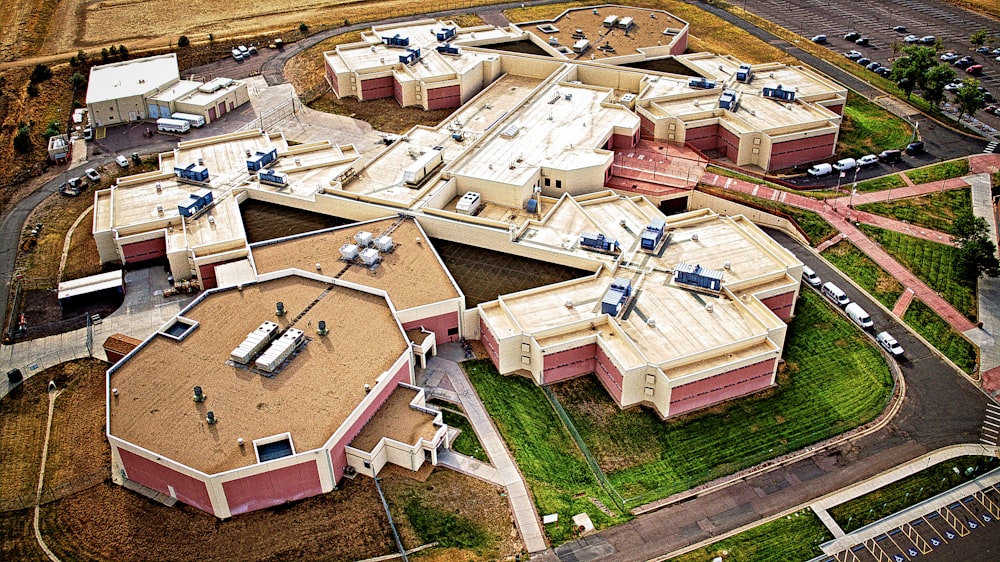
[
  {"x": 968, "y": 529},
  {"x": 875, "y": 19}
]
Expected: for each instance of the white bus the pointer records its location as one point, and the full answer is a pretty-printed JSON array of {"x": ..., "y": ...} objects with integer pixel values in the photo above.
[
  {"x": 195, "y": 120},
  {"x": 172, "y": 125}
]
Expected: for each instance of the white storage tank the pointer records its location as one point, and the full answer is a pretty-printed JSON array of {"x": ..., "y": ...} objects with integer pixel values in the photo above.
[{"x": 349, "y": 251}]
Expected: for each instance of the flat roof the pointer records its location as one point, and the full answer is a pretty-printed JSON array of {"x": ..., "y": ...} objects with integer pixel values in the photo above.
[
  {"x": 131, "y": 78},
  {"x": 176, "y": 91},
  {"x": 412, "y": 274},
  {"x": 91, "y": 284},
  {"x": 310, "y": 397},
  {"x": 396, "y": 419},
  {"x": 648, "y": 29}
]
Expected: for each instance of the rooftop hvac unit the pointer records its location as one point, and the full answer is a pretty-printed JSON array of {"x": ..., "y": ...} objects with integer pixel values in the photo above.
[
  {"x": 159, "y": 209},
  {"x": 651, "y": 322},
  {"x": 569, "y": 303},
  {"x": 279, "y": 309},
  {"x": 383, "y": 243},
  {"x": 363, "y": 238},
  {"x": 199, "y": 396},
  {"x": 349, "y": 251},
  {"x": 370, "y": 256},
  {"x": 709, "y": 307},
  {"x": 726, "y": 265},
  {"x": 210, "y": 418}
]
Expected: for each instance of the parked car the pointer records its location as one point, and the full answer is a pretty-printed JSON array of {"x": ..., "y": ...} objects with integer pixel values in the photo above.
[
  {"x": 853, "y": 55},
  {"x": 889, "y": 343},
  {"x": 874, "y": 66},
  {"x": 92, "y": 175},
  {"x": 852, "y": 35},
  {"x": 983, "y": 50},
  {"x": 987, "y": 96},
  {"x": 867, "y": 160},
  {"x": 964, "y": 62},
  {"x": 237, "y": 54},
  {"x": 864, "y": 61},
  {"x": 818, "y": 39},
  {"x": 952, "y": 86},
  {"x": 244, "y": 51},
  {"x": 911, "y": 39},
  {"x": 950, "y": 56},
  {"x": 915, "y": 148},
  {"x": 995, "y": 51},
  {"x": 253, "y": 49},
  {"x": 861, "y": 40},
  {"x": 890, "y": 156},
  {"x": 845, "y": 164},
  {"x": 122, "y": 161},
  {"x": 820, "y": 170},
  {"x": 77, "y": 183},
  {"x": 883, "y": 71},
  {"x": 927, "y": 40},
  {"x": 975, "y": 69},
  {"x": 899, "y": 29},
  {"x": 992, "y": 109},
  {"x": 810, "y": 277}
]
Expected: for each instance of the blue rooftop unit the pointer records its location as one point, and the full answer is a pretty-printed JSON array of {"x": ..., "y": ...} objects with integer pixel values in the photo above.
[
  {"x": 652, "y": 235},
  {"x": 192, "y": 172},
  {"x": 778, "y": 93},
  {"x": 449, "y": 49},
  {"x": 261, "y": 159},
  {"x": 446, "y": 33},
  {"x": 396, "y": 40},
  {"x": 701, "y": 83},
  {"x": 618, "y": 293},
  {"x": 194, "y": 203},
  {"x": 598, "y": 241},
  {"x": 744, "y": 73},
  {"x": 698, "y": 276},
  {"x": 411, "y": 56},
  {"x": 728, "y": 100},
  {"x": 273, "y": 177}
]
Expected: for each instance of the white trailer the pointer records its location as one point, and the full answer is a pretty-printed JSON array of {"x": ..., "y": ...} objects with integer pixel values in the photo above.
[
  {"x": 194, "y": 120},
  {"x": 172, "y": 125},
  {"x": 429, "y": 161},
  {"x": 581, "y": 46}
]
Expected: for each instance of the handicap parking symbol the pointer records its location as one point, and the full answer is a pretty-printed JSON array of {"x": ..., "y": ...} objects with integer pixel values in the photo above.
[
  {"x": 987, "y": 519},
  {"x": 973, "y": 524},
  {"x": 949, "y": 535},
  {"x": 912, "y": 552},
  {"x": 898, "y": 558},
  {"x": 935, "y": 542}
]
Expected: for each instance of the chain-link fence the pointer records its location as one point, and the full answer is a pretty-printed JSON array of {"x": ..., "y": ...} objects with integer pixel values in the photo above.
[{"x": 50, "y": 494}]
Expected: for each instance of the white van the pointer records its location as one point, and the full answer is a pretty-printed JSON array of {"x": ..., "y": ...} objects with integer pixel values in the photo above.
[
  {"x": 820, "y": 170},
  {"x": 122, "y": 161},
  {"x": 845, "y": 164},
  {"x": 834, "y": 293},
  {"x": 859, "y": 316},
  {"x": 810, "y": 277}
]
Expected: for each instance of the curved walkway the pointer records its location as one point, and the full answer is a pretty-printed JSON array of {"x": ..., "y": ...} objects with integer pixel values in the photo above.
[{"x": 53, "y": 394}]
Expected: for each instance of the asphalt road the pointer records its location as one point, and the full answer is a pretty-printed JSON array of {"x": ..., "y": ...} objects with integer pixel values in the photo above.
[{"x": 940, "y": 408}]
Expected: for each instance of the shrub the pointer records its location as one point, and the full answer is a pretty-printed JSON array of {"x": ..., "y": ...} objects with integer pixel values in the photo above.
[
  {"x": 183, "y": 41},
  {"x": 40, "y": 74},
  {"x": 22, "y": 140}
]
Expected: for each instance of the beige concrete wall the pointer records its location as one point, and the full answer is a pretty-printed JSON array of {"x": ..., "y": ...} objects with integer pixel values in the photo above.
[{"x": 698, "y": 199}]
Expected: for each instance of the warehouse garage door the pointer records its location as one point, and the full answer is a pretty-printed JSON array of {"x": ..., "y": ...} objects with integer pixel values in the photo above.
[
  {"x": 441, "y": 98},
  {"x": 144, "y": 251},
  {"x": 377, "y": 88}
]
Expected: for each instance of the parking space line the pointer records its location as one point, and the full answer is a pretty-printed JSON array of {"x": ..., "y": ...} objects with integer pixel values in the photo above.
[
  {"x": 848, "y": 556},
  {"x": 929, "y": 519},
  {"x": 901, "y": 548},
  {"x": 876, "y": 550},
  {"x": 918, "y": 541},
  {"x": 989, "y": 504},
  {"x": 954, "y": 521}
]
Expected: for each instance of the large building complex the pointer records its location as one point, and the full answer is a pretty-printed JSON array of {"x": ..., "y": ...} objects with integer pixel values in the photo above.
[
  {"x": 677, "y": 313},
  {"x": 151, "y": 87}
]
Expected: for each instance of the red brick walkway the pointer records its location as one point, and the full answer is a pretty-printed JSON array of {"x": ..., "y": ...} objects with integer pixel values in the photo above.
[{"x": 903, "y": 303}]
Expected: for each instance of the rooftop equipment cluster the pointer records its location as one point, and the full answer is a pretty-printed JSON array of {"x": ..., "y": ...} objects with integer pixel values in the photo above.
[
  {"x": 617, "y": 295},
  {"x": 261, "y": 159},
  {"x": 446, "y": 33},
  {"x": 701, "y": 83},
  {"x": 652, "y": 235},
  {"x": 280, "y": 350},
  {"x": 728, "y": 100},
  {"x": 396, "y": 40},
  {"x": 255, "y": 341},
  {"x": 698, "y": 276},
  {"x": 193, "y": 172},
  {"x": 778, "y": 93},
  {"x": 195, "y": 202},
  {"x": 744, "y": 73},
  {"x": 598, "y": 242}
]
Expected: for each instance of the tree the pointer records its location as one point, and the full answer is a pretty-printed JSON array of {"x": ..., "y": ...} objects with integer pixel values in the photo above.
[
  {"x": 122, "y": 52},
  {"x": 78, "y": 79},
  {"x": 976, "y": 254},
  {"x": 105, "y": 55},
  {"x": 303, "y": 28},
  {"x": 113, "y": 51},
  {"x": 32, "y": 91},
  {"x": 22, "y": 140},
  {"x": 211, "y": 37},
  {"x": 968, "y": 98},
  {"x": 935, "y": 80},
  {"x": 909, "y": 71},
  {"x": 978, "y": 39},
  {"x": 52, "y": 130},
  {"x": 40, "y": 74},
  {"x": 183, "y": 41}
]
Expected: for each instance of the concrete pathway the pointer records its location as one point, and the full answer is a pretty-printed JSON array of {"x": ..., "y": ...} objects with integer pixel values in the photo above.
[
  {"x": 53, "y": 394},
  {"x": 988, "y": 290},
  {"x": 443, "y": 370},
  {"x": 903, "y": 302}
]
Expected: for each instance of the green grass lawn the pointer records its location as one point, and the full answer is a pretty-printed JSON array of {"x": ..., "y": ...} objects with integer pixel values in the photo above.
[
  {"x": 865, "y": 272},
  {"x": 911, "y": 490},
  {"x": 553, "y": 466},
  {"x": 892, "y": 181},
  {"x": 815, "y": 227},
  {"x": 942, "y": 171},
  {"x": 794, "y": 537},
  {"x": 869, "y": 129},
  {"x": 833, "y": 380},
  {"x": 466, "y": 443},
  {"x": 941, "y": 335},
  {"x": 937, "y": 211},
  {"x": 932, "y": 263}
]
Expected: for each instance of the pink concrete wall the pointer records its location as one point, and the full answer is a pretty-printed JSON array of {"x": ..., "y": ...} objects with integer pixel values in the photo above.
[
  {"x": 725, "y": 386},
  {"x": 793, "y": 153},
  {"x": 331, "y": 77},
  {"x": 570, "y": 363},
  {"x": 646, "y": 128},
  {"x": 624, "y": 141},
  {"x": 438, "y": 324},
  {"x": 729, "y": 143},
  {"x": 838, "y": 109},
  {"x": 375, "y": 88},
  {"x": 154, "y": 475},
  {"x": 337, "y": 453},
  {"x": 397, "y": 91},
  {"x": 781, "y": 305},
  {"x": 490, "y": 343},
  {"x": 441, "y": 98},
  {"x": 680, "y": 46},
  {"x": 609, "y": 375},
  {"x": 703, "y": 138},
  {"x": 273, "y": 487}
]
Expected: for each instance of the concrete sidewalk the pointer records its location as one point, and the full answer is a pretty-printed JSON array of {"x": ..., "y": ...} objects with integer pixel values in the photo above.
[{"x": 443, "y": 370}]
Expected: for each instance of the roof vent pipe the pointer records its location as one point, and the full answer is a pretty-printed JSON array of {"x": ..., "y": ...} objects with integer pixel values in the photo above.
[
  {"x": 279, "y": 309},
  {"x": 199, "y": 396},
  {"x": 321, "y": 330}
]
